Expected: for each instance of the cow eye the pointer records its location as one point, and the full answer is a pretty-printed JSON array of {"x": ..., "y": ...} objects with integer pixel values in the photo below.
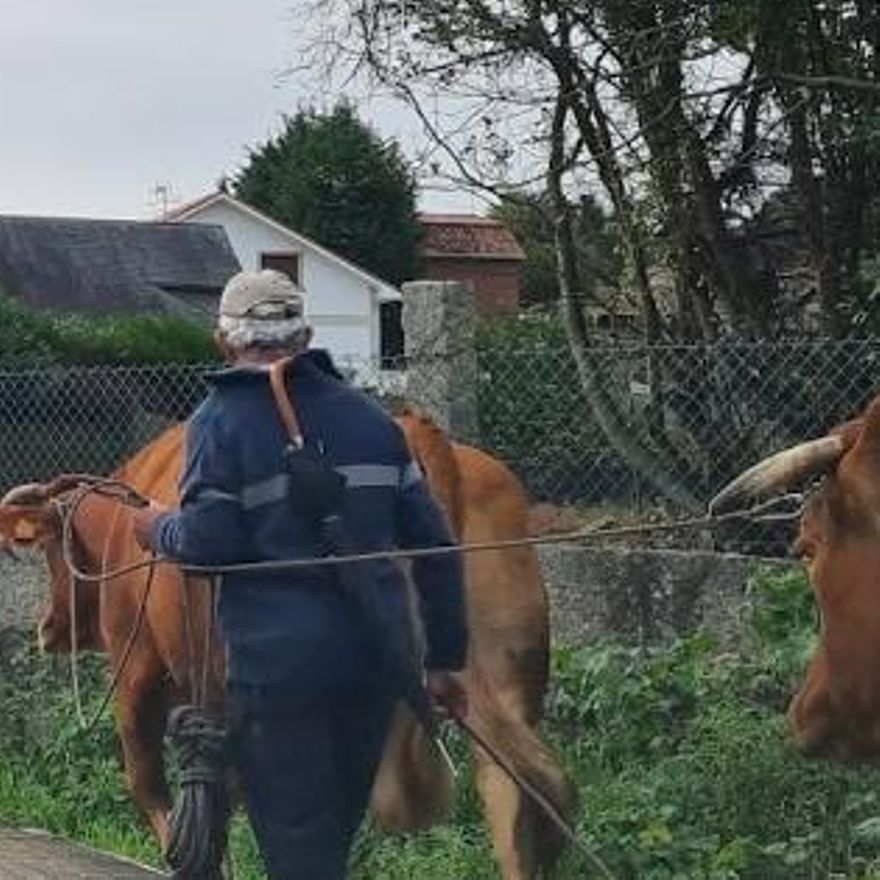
[{"x": 804, "y": 550}]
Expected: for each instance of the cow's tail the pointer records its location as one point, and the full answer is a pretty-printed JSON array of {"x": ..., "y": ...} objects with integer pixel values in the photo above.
[{"x": 518, "y": 746}]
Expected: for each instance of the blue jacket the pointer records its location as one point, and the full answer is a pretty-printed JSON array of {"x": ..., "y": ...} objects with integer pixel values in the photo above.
[{"x": 297, "y": 628}]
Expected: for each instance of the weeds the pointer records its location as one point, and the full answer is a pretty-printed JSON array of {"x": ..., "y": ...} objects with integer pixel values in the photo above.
[{"x": 680, "y": 754}]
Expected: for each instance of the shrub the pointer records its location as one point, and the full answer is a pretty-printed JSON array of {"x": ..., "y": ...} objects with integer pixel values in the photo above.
[
  {"x": 31, "y": 337},
  {"x": 682, "y": 756},
  {"x": 133, "y": 339},
  {"x": 26, "y": 335}
]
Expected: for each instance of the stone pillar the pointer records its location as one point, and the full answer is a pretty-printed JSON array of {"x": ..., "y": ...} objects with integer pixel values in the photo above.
[
  {"x": 439, "y": 325},
  {"x": 25, "y": 587}
]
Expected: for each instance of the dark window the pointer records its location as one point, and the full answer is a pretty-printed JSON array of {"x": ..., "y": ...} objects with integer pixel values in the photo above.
[
  {"x": 391, "y": 334},
  {"x": 282, "y": 261}
]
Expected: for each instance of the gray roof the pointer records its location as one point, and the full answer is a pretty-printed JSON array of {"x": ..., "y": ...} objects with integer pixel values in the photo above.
[{"x": 112, "y": 265}]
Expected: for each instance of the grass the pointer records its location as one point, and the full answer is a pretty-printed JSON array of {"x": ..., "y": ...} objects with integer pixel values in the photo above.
[{"x": 679, "y": 752}]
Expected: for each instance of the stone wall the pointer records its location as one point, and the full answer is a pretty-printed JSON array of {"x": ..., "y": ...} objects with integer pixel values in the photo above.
[
  {"x": 23, "y": 588},
  {"x": 646, "y": 595},
  {"x": 635, "y": 595}
]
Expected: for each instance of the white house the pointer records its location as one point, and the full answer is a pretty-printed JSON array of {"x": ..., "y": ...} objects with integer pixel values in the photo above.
[{"x": 356, "y": 316}]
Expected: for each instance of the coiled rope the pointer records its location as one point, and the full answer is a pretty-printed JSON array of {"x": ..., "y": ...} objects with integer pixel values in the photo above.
[
  {"x": 196, "y": 845},
  {"x": 198, "y": 821}
]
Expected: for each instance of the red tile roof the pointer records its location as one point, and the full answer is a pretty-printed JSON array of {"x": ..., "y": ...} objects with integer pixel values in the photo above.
[{"x": 468, "y": 236}]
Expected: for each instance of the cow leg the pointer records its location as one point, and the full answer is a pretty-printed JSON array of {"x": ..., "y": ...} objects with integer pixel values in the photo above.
[
  {"x": 525, "y": 843},
  {"x": 511, "y": 820},
  {"x": 810, "y": 714},
  {"x": 510, "y": 816},
  {"x": 413, "y": 786},
  {"x": 141, "y": 711}
]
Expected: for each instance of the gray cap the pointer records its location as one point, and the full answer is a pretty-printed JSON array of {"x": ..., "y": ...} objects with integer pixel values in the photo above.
[{"x": 264, "y": 294}]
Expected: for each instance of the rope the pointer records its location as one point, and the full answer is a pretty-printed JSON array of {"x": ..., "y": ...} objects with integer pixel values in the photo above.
[
  {"x": 87, "y": 725},
  {"x": 198, "y": 822},
  {"x": 197, "y": 825},
  {"x": 764, "y": 512},
  {"x": 535, "y": 793}
]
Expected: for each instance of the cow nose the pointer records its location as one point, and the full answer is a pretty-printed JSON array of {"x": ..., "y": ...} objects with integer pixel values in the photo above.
[
  {"x": 812, "y": 747},
  {"x": 820, "y": 740},
  {"x": 811, "y": 731},
  {"x": 52, "y": 634}
]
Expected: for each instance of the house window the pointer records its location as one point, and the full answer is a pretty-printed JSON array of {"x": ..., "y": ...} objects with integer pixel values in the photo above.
[
  {"x": 391, "y": 335},
  {"x": 283, "y": 261}
]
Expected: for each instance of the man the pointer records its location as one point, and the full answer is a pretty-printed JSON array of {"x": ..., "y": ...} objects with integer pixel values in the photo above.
[{"x": 311, "y": 677}]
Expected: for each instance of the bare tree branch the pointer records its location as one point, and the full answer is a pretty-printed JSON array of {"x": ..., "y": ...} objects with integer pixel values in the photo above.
[{"x": 827, "y": 82}]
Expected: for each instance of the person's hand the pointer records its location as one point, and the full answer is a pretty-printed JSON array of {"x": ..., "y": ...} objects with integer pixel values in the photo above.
[
  {"x": 144, "y": 518},
  {"x": 448, "y": 693}
]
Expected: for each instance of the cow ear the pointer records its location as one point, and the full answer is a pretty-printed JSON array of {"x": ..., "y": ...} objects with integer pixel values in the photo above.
[{"x": 26, "y": 525}]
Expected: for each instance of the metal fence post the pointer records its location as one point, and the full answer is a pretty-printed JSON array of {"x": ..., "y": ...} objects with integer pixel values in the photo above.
[{"x": 439, "y": 325}]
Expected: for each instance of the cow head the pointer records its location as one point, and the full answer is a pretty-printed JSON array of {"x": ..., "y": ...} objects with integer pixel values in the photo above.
[
  {"x": 28, "y": 519},
  {"x": 836, "y": 713}
]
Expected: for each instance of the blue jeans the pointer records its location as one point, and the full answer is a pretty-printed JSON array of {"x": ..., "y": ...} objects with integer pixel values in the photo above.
[{"x": 307, "y": 765}]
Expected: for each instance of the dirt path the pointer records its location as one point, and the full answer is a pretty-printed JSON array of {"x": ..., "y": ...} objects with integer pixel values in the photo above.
[{"x": 36, "y": 855}]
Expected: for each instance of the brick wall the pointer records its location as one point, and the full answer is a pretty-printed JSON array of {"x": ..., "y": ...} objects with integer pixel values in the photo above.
[{"x": 495, "y": 282}]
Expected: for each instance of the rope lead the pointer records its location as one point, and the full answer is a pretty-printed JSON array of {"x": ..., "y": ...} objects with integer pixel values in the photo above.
[{"x": 198, "y": 822}]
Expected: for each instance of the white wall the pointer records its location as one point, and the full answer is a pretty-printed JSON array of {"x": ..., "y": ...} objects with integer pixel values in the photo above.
[{"x": 341, "y": 305}]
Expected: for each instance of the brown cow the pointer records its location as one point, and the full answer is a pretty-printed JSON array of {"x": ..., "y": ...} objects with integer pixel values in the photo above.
[
  {"x": 506, "y": 674},
  {"x": 836, "y": 713}
]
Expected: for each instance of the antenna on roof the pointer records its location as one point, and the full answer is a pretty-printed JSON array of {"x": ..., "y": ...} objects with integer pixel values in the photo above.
[{"x": 161, "y": 197}]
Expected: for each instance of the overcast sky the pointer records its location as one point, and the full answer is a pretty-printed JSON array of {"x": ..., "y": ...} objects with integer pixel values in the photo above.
[{"x": 103, "y": 100}]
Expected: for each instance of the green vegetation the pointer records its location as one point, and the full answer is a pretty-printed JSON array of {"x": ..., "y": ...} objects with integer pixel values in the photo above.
[
  {"x": 529, "y": 217},
  {"x": 331, "y": 177},
  {"x": 679, "y": 753},
  {"x": 30, "y": 337},
  {"x": 91, "y": 419},
  {"x": 533, "y": 412}
]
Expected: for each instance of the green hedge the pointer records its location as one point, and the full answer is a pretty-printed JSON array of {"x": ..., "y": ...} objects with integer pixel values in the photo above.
[{"x": 32, "y": 337}]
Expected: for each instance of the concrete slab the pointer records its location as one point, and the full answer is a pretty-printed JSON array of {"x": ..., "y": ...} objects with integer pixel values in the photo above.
[{"x": 37, "y": 855}]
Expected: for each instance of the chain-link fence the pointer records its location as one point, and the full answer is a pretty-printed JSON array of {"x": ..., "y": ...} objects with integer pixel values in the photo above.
[
  {"x": 87, "y": 419},
  {"x": 642, "y": 433},
  {"x": 638, "y": 434}
]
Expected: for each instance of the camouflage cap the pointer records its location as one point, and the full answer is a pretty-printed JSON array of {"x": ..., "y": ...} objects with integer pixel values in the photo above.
[{"x": 265, "y": 294}]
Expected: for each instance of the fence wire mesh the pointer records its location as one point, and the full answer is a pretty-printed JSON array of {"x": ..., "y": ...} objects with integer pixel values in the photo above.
[
  {"x": 638, "y": 434},
  {"x": 641, "y": 433}
]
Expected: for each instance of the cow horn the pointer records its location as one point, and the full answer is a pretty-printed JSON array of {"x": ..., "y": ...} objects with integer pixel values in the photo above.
[
  {"x": 779, "y": 471},
  {"x": 28, "y": 495},
  {"x": 36, "y": 494}
]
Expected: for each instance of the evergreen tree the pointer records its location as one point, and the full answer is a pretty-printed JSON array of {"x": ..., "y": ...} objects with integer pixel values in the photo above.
[{"x": 331, "y": 177}]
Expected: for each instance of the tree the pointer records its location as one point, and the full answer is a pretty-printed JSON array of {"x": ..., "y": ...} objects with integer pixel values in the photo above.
[
  {"x": 688, "y": 114},
  {"x": 332, "y": 178},
  {"x": 819, "y": 63},
  {"x": 689, "y": 117},
  {"x": 530, "y": 218}
]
